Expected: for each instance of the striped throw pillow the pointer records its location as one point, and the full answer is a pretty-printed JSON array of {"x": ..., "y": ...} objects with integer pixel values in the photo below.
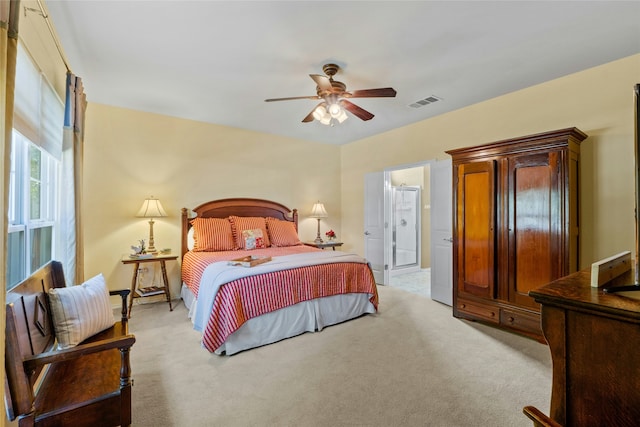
[
  {"x": 212, "y": 234},
  {"x": 81, "y": 311},
  {"x": 242, "y": 223},
  {"x": 282, "y": 233}
]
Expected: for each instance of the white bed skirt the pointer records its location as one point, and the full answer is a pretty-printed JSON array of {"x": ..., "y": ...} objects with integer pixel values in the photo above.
[{"x": 306, "y": 316}]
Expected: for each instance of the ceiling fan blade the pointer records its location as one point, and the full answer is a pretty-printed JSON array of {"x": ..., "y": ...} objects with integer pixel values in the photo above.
[
  {"x": 292, "y": 97},
  {"x": 309, "y": 117},
  {"x": 383, "y": 92},
  {"x": 323, "y": 82},
  {"x": 355, "y": 110}
]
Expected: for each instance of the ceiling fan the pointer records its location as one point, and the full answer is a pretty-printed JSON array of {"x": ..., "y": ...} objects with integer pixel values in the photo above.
[{"x": 334, "y": 96}]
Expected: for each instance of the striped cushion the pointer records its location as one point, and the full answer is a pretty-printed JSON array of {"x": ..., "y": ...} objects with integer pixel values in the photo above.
[
  {"x": 242, "y": 223},
  {"x": 282, "y": 233},
  {"x": 80, "y": 311},
  {"x": 212, "y": 234}
]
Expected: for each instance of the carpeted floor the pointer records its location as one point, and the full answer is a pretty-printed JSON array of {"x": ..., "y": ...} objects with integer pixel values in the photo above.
[{"x": 411, "y": 364}]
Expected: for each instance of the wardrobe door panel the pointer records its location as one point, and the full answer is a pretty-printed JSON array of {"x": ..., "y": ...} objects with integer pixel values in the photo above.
[
  {"x": 476, "y": 228},
  {"x": 535, "y": 222}
]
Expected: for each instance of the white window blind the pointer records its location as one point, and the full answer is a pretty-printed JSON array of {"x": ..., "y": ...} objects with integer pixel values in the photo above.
[{"x": 38, "y": 111}]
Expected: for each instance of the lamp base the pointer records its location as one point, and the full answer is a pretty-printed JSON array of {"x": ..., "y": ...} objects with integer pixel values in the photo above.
[
  {"x": 318, "y": 238},
  {"x": 151, "y": 249}
]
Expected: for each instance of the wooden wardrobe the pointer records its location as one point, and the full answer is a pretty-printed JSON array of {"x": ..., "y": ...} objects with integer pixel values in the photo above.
[{"x": 515, "y": 225}]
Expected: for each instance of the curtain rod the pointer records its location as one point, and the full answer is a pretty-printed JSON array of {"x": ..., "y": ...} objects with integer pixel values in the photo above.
[{"x": 40, "y": 11}]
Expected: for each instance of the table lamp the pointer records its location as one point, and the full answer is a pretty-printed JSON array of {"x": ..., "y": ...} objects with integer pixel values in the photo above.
[
  {"x": 151, "y": 208},
  {"x": 318, "y": 212}
]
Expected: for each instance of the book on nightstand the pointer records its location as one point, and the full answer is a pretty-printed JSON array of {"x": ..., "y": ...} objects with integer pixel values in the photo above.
[
  {"x": 141, "y": 256},
  {"x": 149, "y": 290}
]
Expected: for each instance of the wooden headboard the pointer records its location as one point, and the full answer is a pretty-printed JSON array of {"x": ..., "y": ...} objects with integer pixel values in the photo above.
[{"x": 224, "y": 208}]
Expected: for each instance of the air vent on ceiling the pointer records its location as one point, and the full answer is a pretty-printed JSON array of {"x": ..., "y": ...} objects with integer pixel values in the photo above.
[{"x": 426, "y": 101}]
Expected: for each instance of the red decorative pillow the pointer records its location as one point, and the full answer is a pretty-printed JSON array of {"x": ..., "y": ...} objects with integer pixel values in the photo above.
[
  {"x": 282, "y": 233},
  {"x": 212, "y": 234},
  {"x": 242, "y": 223}
]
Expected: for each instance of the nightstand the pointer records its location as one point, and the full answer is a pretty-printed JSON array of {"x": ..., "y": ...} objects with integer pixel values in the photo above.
[
  {"x": 134, "y": 282},
  {"x": 323, "y": 245}
]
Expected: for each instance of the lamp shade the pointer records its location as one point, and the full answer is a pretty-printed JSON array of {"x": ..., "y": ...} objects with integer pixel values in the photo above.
[
  {"x": 318, "y": 211},
  {"x": 151, "y": 208}
]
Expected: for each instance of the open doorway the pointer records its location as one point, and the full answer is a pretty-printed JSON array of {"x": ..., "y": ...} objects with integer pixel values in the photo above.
[
  {"x": 427, "y": 269},
  {"x": 433, "y": 275}
]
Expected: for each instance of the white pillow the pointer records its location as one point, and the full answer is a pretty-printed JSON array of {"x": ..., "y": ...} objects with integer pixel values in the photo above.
[
  {"x": 80, "y": 311},
  {"x": 191, "y": 242}
]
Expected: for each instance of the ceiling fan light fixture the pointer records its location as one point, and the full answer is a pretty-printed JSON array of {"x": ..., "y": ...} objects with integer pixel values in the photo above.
[
  {"x": 319, "y": 112},
  {"x": 322, "y": 115},
  {"x": 335, "y": 110},
  {"x": 332, "y": 94}
]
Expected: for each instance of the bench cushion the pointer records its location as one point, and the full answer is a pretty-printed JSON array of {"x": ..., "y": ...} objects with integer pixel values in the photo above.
[{"x": 80, "y": 311}]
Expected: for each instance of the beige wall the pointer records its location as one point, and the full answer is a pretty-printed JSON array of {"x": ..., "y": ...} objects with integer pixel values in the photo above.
[
  {"x": 130, "y": 155},
  {"x": 599, "y": 101}
]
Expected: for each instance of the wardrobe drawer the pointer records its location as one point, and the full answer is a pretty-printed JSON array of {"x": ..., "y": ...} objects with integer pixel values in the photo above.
[
  {"x": 486, "y": 312},
  {"x": 520, "y": 320}
]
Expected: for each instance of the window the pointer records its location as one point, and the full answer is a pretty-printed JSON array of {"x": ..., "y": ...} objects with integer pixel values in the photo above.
[
  {"x": 35, "y": 164},
  {"x": 32, "y": 209}
]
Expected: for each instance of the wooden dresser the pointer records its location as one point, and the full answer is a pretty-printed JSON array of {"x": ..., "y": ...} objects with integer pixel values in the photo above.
[
  {"x": 594, "y": 339},
  {"x": 515, "y": 225}
]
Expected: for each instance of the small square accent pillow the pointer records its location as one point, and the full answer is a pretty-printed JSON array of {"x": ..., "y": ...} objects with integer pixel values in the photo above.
[
  {"x": 253, "y": 239},
  {"x": 80, "y": 311},
  {"x": 282, "y": 233}
]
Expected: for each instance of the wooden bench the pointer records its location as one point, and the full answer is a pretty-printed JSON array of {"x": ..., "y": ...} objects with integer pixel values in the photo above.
[
  {"x": 539, "y": 418},
  {"x": 86, "y": 385}
]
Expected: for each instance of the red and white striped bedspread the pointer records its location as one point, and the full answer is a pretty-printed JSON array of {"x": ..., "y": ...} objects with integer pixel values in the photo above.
[
  {"x": 302, "y": 278},
  {"x": 194, "y": 263}
]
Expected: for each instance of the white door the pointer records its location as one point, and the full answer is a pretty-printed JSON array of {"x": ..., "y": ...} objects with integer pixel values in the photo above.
[
  {"x": 374, "y": 223},
  {"x": 441, "y": 232}
]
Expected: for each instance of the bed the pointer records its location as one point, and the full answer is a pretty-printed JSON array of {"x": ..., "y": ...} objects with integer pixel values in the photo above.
[{"x": 293, "y": 288}]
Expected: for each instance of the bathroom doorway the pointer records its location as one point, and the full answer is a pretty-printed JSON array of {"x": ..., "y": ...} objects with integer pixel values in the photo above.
[{"x": 433, "y": 278}]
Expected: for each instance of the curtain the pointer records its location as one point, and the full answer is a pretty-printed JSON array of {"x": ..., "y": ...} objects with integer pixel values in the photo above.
[
  {"x": 9, "y": 14},
  {"x": 71, "y": 230}
]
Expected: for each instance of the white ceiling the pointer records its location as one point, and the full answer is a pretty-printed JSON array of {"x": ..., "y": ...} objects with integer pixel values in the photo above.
[{"x": 217, "y": 61}]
